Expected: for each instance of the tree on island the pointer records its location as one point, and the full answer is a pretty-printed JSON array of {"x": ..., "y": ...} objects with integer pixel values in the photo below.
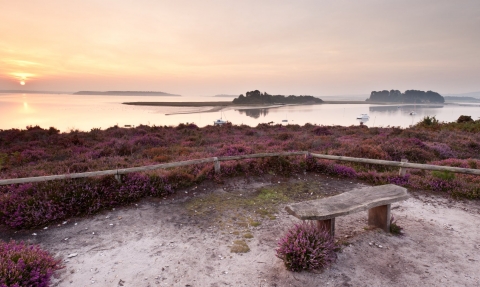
[
  {"x": 410, "y": 96},
  {"x": 256, "y": 97}
]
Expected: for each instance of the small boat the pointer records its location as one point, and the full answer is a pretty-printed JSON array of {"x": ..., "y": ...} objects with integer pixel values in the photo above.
[
  {"x": 363, "y": 116},
  {"x": 219, "y": 122},
  {"x": 284, "y": 121},
  {"x": 412, "y": 113}
]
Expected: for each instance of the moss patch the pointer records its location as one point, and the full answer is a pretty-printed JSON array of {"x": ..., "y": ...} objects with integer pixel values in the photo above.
[
  {"x": 261, "y": 203},
  {"x": 239, "y": 246},
  {"x": 248, "y": 235},
  {"x": 237, "y": 212}
]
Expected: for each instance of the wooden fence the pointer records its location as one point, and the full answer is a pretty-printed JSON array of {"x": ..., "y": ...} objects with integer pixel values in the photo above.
[{"x": 216, "y": 161}]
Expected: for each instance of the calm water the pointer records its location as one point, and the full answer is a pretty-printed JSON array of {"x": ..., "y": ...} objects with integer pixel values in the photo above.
[{"x": 66, "y": 112}]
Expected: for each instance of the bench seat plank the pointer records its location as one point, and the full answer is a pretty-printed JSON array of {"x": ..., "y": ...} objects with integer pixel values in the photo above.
[{"x": 356, "y": 200}]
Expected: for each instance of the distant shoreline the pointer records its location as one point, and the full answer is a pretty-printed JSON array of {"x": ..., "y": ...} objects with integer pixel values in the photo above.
[
  {"x": 180, "y": 104},
  {"x": 217, "y": 106},
  {"x": 231, "y": 104},
  {"x": 125, "y": 93}
]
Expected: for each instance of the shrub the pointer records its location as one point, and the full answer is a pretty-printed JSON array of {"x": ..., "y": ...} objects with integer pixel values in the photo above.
[
  {"x": 306, "y": 247},
  {"x": 428, "y": 121},
  {"x": 284, "y": 136},
  {"x": 395, "y": 229},
  {"x": 445, "y": 175},
  {"x": 23, "y": 265},
  {"x": 464, "y": 119},
  {"x": 322, "y": 131},
  {"x": 29, "y": 205}
]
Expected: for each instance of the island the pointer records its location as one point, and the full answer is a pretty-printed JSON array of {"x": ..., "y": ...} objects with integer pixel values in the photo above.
[
  {"x": 253, "y": 98},
  {"x": 256, "y": 97},
  {"x": 410, "y": 96},
  {"x": 125, "y": 93}
]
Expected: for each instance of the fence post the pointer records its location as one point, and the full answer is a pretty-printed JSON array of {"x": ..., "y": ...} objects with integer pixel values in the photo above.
[
  {"x": 118, "y": 177},
  {"x": 216, "y": 164},
  {"x": 307, "y": 155},
  {"x": 402, "y": 170}
]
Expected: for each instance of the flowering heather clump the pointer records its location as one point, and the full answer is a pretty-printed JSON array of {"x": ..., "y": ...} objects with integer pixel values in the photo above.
[
  {"x": 306, "y": 247},
  {"x": 22, "y": 265},
  {"x": 322, "y": 131},
  {"x": 29, "y": 205},
  {"x": 344, "y": 171}
]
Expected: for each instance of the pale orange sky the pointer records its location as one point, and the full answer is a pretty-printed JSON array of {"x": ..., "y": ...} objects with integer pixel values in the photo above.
[{"x": 229, "y": 47}]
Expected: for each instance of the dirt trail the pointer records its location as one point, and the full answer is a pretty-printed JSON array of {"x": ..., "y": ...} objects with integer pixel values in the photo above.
[{"x": 186, "y": 240}]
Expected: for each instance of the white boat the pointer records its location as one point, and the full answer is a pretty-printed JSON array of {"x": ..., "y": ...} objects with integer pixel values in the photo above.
[
  {"x": 219, "y": 122},
  {"x": 412, "y": 113},
  {"x": 363, "y": 116}
]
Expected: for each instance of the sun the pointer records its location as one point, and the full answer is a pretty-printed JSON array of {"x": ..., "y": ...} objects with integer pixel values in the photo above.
[{"x": 22, "y": 83}]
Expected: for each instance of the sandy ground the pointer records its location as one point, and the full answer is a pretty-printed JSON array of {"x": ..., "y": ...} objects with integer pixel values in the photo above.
[{"x": 167, "y": 243}]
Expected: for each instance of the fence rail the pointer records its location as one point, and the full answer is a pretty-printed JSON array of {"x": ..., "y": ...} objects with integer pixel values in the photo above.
[
  {"x": 216, "y": 160},
  {"x": 400, "y": 164}
]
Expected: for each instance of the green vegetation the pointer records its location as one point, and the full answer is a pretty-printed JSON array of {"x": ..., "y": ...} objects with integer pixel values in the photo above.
[
  {"x": 256, "y": 97},
  {"x": 248, "y": 235},
  {"x": 395, "y": 229},
  {"x": 445, "y": 175},
  {"x": 239, "y": 246},
  {"x": 410, "y": 96}
]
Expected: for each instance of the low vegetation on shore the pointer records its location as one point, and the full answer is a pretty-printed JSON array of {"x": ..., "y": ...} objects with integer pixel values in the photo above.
[
  {"x": 256, "y": 97},
  {"x": 37, "y": 152},
  {"x": 410, "y": 96}
]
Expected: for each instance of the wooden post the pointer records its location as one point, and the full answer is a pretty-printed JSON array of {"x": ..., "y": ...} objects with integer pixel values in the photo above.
[
  {"x": 307, "y": 155},
  {"x": 216, "y": 164},
  {"x": 380, "y": 217},
  {"x": 118, "y": 177},
  {"x": 402, "y": 169},
  {"x": 328, "y": 225}
]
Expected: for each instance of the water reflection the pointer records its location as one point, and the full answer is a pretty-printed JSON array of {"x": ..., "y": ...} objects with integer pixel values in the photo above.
[
  {"x": 65, "y": 112},
  {"x": 254, "y": 113},
  {"x": 363, "y": 120},
  {"x": 401, "y": 108}
]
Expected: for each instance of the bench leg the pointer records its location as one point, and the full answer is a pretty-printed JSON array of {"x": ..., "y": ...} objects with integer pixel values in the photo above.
[
  {"x": 380, "y": 217},
  {"x": 328, "y": 224}
]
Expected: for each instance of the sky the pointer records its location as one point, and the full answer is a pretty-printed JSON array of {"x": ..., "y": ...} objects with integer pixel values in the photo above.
[{"x": 318, "y": 48}]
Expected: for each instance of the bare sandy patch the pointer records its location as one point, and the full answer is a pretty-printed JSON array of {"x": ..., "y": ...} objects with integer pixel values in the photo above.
[{"x": 188, "y": 239}]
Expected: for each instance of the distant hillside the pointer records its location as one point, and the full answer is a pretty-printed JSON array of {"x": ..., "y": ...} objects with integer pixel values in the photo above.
[
  {"x": 461, "y": 99},
  {"x": 125, "y": 93},
  {"x": 471, "y": 94},
  {"x": 410, "y": 96},
  {"x": 256, "y": 97}
]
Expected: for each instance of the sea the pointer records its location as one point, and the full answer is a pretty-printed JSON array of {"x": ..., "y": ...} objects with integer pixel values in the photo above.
[{"x": 68, "y": 112}]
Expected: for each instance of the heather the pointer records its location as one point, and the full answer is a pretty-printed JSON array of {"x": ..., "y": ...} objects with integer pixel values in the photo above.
[
  {"x": 35, "y": 151},
  {"x": 306, "y": 247},
  {"x": 25, "y": 265}
]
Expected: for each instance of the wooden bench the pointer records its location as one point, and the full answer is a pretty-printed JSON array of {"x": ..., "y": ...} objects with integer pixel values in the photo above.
[{"x": 377, "y": 199}]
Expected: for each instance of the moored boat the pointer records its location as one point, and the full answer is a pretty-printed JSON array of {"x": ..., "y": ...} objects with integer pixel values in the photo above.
[{"x": 363, "y": 116}]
